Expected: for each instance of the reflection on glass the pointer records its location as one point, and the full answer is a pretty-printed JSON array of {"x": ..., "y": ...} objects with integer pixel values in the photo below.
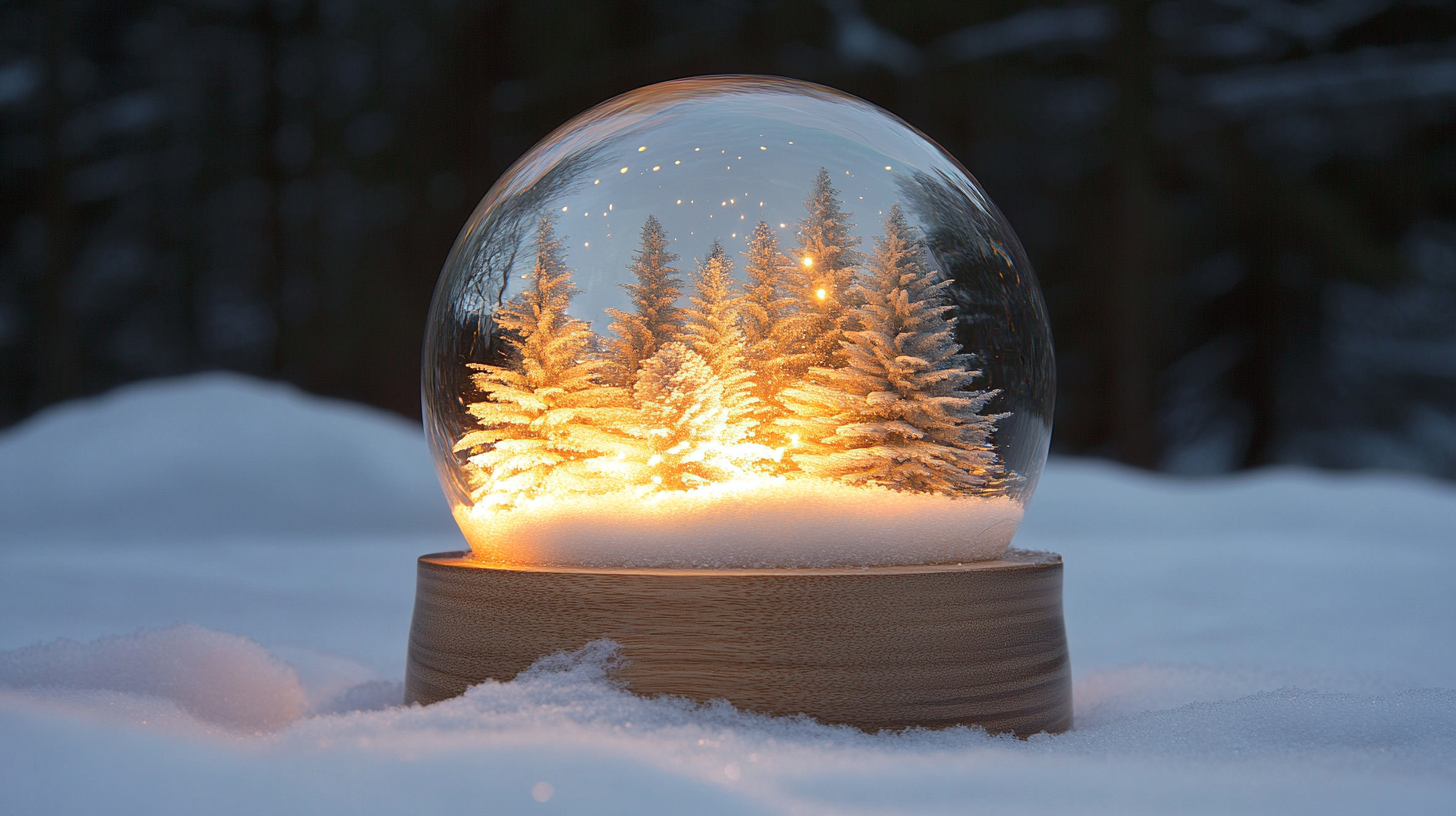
[{"x": 737, "y": 322}]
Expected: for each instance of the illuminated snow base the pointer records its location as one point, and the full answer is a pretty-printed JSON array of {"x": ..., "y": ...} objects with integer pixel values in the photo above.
[{"x": 761, "y": 523}]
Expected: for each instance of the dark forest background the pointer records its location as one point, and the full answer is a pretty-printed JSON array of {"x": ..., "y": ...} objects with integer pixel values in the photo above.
[{"x": 1243, "y": 213}]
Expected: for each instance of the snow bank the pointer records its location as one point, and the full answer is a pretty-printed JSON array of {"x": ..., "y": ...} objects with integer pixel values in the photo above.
[
  {"x": 764, "y": 523},
  {"x": 602, "y": 750},
  {"x": 1264, "y": 643},
  {"x": 575, "y": 692},
  {"x": 214, "y": 455},
  {"x": 215, "y": 677}
]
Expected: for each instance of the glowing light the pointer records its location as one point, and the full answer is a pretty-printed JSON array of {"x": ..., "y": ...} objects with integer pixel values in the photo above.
[{"x": 721, "y": 471}]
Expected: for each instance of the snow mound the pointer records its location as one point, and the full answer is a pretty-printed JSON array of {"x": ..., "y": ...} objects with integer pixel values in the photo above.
[
  {"x": 765, "y": 523},
  {"x": 567, "y": 724},
  {"x": 216, "y": 677},
  {"x": 247, "y": 455},
  {"x": 571, "y": 700},
  {"x": 1263, "y": 643}
]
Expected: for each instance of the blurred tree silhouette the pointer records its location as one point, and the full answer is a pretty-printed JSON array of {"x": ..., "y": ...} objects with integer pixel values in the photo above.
[{"x": 1242, "y": 212}]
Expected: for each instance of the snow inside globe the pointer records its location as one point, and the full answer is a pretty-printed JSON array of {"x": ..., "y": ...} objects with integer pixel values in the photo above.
[{"x": 737, "y": 323}]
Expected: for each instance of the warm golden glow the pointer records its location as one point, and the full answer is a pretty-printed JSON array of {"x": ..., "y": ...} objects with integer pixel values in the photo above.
[
  {"x": 808, "y": 261},
  {"x": 821, "y": 294}
]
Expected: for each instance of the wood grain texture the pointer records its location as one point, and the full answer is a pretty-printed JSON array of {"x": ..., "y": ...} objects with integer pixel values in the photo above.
[{"x": 887, "y": 647}]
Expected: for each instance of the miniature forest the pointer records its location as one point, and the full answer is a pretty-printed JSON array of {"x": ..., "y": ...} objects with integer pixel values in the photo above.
[{"x": 829, "y": 382}]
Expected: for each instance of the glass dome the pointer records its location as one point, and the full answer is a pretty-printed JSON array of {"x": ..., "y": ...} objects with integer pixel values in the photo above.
[{"x": 737, "y": 323}]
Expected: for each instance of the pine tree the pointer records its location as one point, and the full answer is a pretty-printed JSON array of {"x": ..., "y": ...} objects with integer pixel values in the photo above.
[
  {"x": 768, "y": 311},
  {"x": 899, "y": 413},
  {"x": 684, "y": 422},
  {"x": 824, "y": 267},
  {"x": 655, "y": 320},
  {"x": 712, "y": 330},
  {"x": 547, "y": 425}
]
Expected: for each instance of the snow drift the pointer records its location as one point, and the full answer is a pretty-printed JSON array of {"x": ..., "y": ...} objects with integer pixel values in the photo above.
[
  {"x": 213, "y": 456},
  {"x": 215, "y": 677},
  {"x": 1266, "y": 643}
]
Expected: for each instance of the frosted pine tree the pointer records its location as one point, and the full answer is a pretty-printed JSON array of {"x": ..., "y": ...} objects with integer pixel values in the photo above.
[
  {"x": 824, "y": 267},
  {"x": 768, "y": 309},
  {"x": 712, "y": 330},
  {"x": 655, "y": 319},
  {"x": 683, "y": 420},
  {"x": 547, "y": 425},
  {"x": 900, "y": 413}
]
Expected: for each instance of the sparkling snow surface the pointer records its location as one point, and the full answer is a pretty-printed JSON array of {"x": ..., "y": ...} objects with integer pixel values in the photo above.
[{"x": 232, "y": 565}]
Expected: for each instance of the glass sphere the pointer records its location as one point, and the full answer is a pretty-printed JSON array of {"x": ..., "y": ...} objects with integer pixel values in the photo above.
[{"x": 737, "y": 323}]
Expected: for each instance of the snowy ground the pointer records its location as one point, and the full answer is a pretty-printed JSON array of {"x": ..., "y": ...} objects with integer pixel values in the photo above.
[{"x": 232, "y": 563}]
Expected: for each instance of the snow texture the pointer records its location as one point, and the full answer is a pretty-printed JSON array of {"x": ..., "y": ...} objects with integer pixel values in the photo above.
[
  {"x": 751, "y": 523},
  {"x": 1276, "y": 642},
  {"x": 215, "y": 677}
]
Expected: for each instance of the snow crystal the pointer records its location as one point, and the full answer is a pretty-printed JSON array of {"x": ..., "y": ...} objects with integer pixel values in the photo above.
[{"x": 765, "y": 523}]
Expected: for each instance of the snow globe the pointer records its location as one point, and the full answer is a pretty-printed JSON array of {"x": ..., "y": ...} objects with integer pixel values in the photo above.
[{"x": 752, "y": 378}]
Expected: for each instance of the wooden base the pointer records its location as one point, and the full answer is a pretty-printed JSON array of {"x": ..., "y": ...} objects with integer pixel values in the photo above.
[{"x": 886, "y": 647}]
